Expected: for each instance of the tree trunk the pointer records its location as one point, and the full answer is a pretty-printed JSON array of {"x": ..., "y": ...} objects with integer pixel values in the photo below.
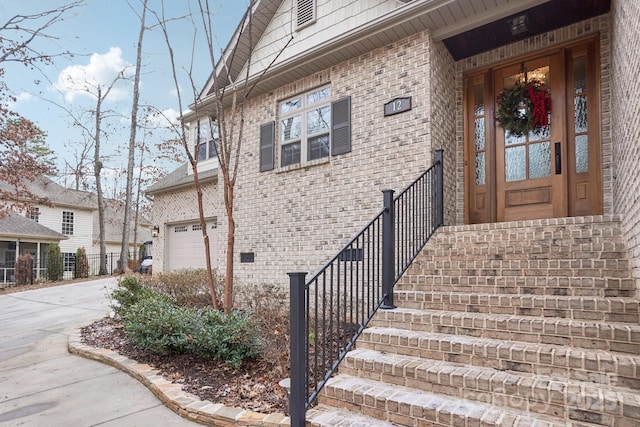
[
  {"x": 97, "y": 167},
  {"x": 126, "y": 230}
]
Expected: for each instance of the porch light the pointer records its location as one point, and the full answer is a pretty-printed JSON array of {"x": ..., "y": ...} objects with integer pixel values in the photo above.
[
  {"x": 155, "y": 231},
  {"x": 518, "y": 25}
]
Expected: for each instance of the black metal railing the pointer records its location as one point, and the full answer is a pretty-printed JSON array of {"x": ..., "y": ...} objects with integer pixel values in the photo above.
[
  {"x": 330, "y": 311},
  {"x": 65, "y": 265}
]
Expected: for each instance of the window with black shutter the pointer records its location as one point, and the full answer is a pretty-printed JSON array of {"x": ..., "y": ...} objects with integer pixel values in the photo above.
[
  {"x": 267, "y": 142},
  {"x": 341, "y": 126}
]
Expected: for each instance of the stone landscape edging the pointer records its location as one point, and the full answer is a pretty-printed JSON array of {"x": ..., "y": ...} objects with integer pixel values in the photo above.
[{"x": 171, "y": 394}]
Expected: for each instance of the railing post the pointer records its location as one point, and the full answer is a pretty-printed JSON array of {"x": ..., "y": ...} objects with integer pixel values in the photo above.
[
  {"x": 439, "y": 188},
  {"x": 298, "y": 393},
  {"x": 388, "y": 250}
]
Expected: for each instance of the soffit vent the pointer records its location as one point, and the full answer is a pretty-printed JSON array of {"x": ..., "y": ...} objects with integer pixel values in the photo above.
[{"x": 306, "y": 12}]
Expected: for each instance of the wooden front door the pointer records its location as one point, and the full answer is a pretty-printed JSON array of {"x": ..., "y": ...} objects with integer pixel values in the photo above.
[{"x": 553, "y": 173}]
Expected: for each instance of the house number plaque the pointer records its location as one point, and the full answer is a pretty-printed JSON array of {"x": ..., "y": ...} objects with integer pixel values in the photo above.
[{"x": 397, "y": 105}]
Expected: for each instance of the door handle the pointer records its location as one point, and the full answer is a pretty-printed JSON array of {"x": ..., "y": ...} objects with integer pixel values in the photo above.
[{"x": 558, "y": 155}]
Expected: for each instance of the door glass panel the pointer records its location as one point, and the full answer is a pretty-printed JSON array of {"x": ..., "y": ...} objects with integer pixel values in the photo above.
[
  {"x": 480, "y": 169},
  {"x": 580, "y": 112},
  {"x": 543, "y": 134},
  {"x": 512, "y": 139},
  {"x": 515, "y": 163},
  {"x": 582, "y": 153},
  {"x": 540, "y": 160},
  {"x": 479, "y": 133}
]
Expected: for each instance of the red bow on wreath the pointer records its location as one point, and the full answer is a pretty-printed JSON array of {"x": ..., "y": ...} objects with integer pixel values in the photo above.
[{"x": 524, "y": 108}]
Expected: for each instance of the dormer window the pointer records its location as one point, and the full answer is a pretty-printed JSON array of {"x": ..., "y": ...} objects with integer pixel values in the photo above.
[{"x": 305, "y": 13}]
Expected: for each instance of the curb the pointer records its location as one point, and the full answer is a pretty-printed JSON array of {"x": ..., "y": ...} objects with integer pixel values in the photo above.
[{"x": 172, "y": 396}]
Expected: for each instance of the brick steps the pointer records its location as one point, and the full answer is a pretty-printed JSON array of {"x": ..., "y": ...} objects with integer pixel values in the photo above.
[
  {"x": 405, "y": 406},
  {"x": 555, "y": 362},
  {"x": 569, "y": 286},
  {"x": 515, "y": 324},
  {"x": 570, "y": 307},
  {"x": 567, "y": 399},
  {"x": 618, "y": 337}
]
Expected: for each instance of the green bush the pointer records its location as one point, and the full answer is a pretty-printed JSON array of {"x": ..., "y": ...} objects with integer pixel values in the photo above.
[
  {"x": 54, "y": 262},
  {"x": 230, "y": 338},
  {"x": 129, "y": 291},
  {"x": 154, "y": 321},
  {"x": 160, "y": 326}
]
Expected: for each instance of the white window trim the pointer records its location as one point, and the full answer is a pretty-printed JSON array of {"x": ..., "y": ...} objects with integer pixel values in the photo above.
[
  {"x": 304, "y": 137},
  {"x": 200, "y": 135},
  {"x": 70, "y": 223}
]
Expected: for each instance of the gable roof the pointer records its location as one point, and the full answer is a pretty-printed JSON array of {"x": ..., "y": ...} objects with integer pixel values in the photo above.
[
  {"x": 180, "y": 178},
  {"x": 113, "y": 224},
  {"x": 444, "y": 18},
  {"x": 57, "y": 194},
  {"x": 16, "y": 226}
]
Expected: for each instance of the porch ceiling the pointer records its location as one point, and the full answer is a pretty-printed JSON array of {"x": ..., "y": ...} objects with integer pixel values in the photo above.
[{"x": 539, "y": 19}]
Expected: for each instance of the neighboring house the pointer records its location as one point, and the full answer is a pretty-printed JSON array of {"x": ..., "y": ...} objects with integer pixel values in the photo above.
[
  {"x": 71, "y": 221},
  {"x": 21, "y": 236},
  {"x": 351, "y": 97}
]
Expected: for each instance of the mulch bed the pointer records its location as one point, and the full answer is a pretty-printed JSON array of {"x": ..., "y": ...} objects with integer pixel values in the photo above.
[{"x": 253, "y": 386}]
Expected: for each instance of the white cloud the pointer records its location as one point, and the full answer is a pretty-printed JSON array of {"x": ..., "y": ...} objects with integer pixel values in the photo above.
[
  {"x": 22, "y": 97},
  {"x": 163, "y": 119},
  {"x": 102, "y": 69}
]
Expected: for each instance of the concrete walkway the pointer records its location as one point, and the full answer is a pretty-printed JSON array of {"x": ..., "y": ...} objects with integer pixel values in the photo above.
[{"x": 41, "y": 384}]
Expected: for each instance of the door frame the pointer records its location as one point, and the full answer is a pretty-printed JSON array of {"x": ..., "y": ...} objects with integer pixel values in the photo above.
[{"x": 486, "y": 77}]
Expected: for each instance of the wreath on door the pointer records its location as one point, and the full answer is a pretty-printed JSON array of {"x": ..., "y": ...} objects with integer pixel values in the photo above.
[{"x": 524, "y": 108}]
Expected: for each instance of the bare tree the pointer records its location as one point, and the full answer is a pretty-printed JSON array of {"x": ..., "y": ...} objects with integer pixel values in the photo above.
[
  {"x": 132, "y": 143},
  {"x": 21, "y": 141}
]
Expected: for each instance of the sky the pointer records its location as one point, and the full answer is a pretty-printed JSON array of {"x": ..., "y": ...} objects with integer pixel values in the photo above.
[{"x": 102, "y": 35}]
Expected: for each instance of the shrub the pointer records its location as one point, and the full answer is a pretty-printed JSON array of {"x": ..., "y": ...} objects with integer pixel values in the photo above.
[
  {"x": 230, "y": 338},
  {"x": 24, "y": 270},
  {"x": 156, "y": 324},
  {"x": 154, "y": 321},
  {"x": 81, "y": 268},
  {"x": 130, "y": 291},
  {"x": 54, "y": 262}
]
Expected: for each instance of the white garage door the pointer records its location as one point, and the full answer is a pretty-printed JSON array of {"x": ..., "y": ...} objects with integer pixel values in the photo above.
[{"x": 186, "y": 247}]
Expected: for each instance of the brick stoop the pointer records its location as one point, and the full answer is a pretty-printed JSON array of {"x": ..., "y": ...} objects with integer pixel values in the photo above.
[{"x": 509, "y": 324}]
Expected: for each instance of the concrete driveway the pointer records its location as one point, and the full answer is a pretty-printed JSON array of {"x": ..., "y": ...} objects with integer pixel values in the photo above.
[{"x": 41, "y": 384}]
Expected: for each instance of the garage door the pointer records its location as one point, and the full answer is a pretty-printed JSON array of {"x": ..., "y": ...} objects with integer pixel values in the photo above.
[{"x": 185, "y": 248}]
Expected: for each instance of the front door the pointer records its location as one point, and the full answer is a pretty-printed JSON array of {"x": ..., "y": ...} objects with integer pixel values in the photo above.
[{"x": 552, "y": 172}]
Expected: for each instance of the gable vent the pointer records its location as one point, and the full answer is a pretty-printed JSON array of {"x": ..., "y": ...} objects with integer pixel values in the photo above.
[{"x": 306, "y": 10}]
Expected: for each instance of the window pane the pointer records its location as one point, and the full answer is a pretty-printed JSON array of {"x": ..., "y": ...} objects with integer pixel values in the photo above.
[
  {"x": 291, "y": 105},
  {"x": 213, "y": 146},
  {"x": 515, "y": 163},
  {"x": 204, "y": 132},
  {"x": 582, "y": 153},
  {"x": 545, "y": 134},
  {"x": 290, "y": 154},
  {"x": 319, "y": 95},
  {"x": 318, "y": 119},
  {"x": 480, "y": 169},
  {"x": 540, "y": 160},
  {"x": 202, "y": 151},
  {"x": 580, "y": 112},
  {"x": 479, "y": 133},
  {"x": 318, "y": 147},
  {"x": 291, "y": 128}
]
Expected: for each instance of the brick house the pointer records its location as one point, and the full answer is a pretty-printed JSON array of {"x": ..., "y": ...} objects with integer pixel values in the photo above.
[
  {"x": 297, "y": 202},
  {"x": 523, "y": 309}
]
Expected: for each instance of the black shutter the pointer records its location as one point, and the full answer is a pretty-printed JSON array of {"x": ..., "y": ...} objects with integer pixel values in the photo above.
[
  {"x": 267, "y": 149},
  {"x": 341, "y": 126}
]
